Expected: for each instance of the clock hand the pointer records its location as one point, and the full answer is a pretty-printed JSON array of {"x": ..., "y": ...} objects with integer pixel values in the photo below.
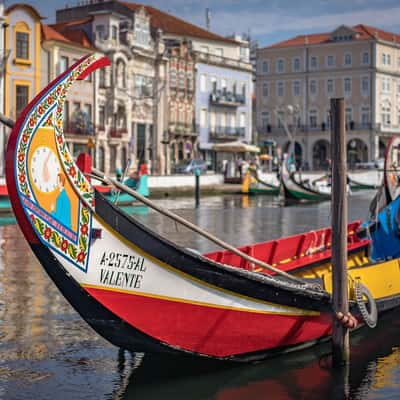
[{"x": 46, "y": 171}]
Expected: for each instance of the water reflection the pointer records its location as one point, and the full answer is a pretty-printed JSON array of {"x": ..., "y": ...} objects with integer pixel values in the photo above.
[
  {"x": 373, "y": 373},
  {"x": 47, "y": 351}
]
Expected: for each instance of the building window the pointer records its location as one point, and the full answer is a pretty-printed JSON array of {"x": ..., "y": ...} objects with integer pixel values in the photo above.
[
  {"x": 88, "y": 111},
  {"x": 63, "y": 63},
  {"x": 203, "y": 118},
  {"x": 347, "y": 86},
  {"x": 244, "y": 90},
  {"x": 121, "y": 74},
  {"x": 190, "y": 84},
  {"x": 243, "y": 120},
  {"x": 386, "y": 85},
  {"x": 214, "y": 84},
  {"x": 313, "y": 87},
  {"x": 182, "y": 80},
  {"x": 223, "y": 85},
  {"x": 100, "y": 32},
  {"x": 348, "y": 116},
  {"x": 364, "y": 116},
  {"x": 313, "y": 118},
  {"x": 280, "y": 66},
  {"x": 330, "y": 61},
  {"x": 142, "y": 32},
  {"x": 21, "y": 98},
  {"x": 265, "y": 89},
  {"x": 265, "y": 68},
  {"x": 114, "y": 32},
  {"x": 296, "y": 64},
  {"x": 172, "y": 78},
  {"x": 329, "y": 86},
  {"x": 143, "y": 85},
  {"x": 279, "y": 89},
  {"x": 364, "y": 85},
  {"x": 313, "y": 62},
  {"x": 213, "y": 120},
  {"x": 385, "y": 115},
  {"x": 296, "y": 88},
  {"x": 388, "y": 59},
  {"x": 383, "y": 59},
  {"x": 204, "y": 49},
  {"x": 22, "y": 46},
  {"x": 398, "y": 62},
  {"x": 365, "y": 58},
  {"x": 398, "y": 87},
  {"x": 203, "y": 82},
  {"x": 347, "y": 59},
  {"x": 102, "y": 116},
  {"x": 328, "y": 118},
  {"x": 265, "y": 119}
]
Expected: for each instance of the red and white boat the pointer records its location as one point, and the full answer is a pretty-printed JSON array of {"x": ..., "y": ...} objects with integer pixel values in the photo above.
[{"x": 144, "y": 293}]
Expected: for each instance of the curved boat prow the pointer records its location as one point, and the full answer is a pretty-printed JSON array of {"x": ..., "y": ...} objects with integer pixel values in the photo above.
[{"x": 51, "y": 198}]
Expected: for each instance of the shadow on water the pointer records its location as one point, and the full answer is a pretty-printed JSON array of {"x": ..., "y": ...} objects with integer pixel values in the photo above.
[{"x": 374, "y": 367}]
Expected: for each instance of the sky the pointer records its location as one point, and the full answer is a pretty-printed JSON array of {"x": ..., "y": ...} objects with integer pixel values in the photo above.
[{"x": 268, "y": 21}]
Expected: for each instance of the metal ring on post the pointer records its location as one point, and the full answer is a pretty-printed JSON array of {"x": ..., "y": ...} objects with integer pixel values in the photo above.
[{"x": 370, "y": 315}]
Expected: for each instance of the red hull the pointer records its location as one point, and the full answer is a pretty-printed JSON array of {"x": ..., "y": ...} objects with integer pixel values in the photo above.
[{"x": 212, "y": 331}]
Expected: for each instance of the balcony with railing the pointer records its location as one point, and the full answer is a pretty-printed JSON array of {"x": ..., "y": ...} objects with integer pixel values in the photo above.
[
  {"x": 226, "y": 98},
  {"x": 77, "y": 128},
  {"x": 226, "y": 133},
  {"x": 186, "y": 129},
  {"x": 117, "y": 132}
]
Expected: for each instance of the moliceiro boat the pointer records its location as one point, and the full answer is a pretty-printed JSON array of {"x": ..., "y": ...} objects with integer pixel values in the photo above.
[
  {"x": 144, "y": 293},
  {"x": 293, "y": 188},
  {"x": 252, "y": 184}
]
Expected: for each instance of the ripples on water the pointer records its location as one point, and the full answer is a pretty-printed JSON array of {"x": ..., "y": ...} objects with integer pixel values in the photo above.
[{"x": 48, "y": 352}]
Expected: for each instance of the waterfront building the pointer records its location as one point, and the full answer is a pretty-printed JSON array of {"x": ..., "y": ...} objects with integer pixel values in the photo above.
[
  {"x": 360, "y": 63},
  {"x": 131, "y": 110},
  {"x": 182, "y": 131},
  {"x": 21, "y": 74},
  {"x": 224, "y": 89},
  {"x": 59, "y": 52}
]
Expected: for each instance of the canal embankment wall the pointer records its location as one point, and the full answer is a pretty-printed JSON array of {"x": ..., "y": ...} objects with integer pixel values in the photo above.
[{"x": 214, "y": 183}]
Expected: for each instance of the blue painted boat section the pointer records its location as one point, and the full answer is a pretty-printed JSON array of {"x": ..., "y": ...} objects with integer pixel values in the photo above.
[{"x": 386, "y": 233}]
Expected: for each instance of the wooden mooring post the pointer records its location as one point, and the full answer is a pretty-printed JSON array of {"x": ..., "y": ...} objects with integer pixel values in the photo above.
[{"x": 340, "y": 335}]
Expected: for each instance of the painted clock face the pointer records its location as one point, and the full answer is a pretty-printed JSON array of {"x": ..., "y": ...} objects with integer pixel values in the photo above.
[{"x": 44, "y": 169}]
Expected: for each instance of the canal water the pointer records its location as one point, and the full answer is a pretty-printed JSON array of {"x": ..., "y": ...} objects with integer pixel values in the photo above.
[{"x": 48, "y": 352}]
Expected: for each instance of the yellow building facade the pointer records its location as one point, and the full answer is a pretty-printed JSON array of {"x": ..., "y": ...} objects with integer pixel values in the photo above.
[{"x": 23, "y": 68}]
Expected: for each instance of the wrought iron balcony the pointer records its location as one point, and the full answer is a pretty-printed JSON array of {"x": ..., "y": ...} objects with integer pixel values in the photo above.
[
  {"x": 226, "y": 132},
  {"x": 226, "y": 98}
]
